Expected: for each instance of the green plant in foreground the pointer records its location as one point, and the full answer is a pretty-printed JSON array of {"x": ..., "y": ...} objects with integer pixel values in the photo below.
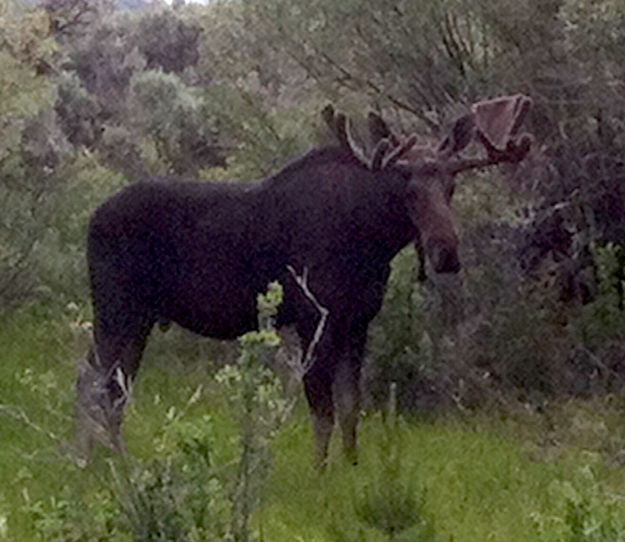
[
  {"x": 393, "y": 502},
  {"x": 181, "y": 493},
  {"x": 260, "y": 408},
  {"x": 185, "y": 497},
  {"x": 180, "y": 498},
  {"x": 63, "y": 518},
  {"x": 586, "y": 513}
]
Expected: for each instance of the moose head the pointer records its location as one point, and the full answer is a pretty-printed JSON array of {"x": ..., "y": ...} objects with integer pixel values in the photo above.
[{"x": 432, "y": 169}]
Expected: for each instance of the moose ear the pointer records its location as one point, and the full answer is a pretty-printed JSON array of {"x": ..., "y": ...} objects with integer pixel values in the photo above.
[
  {"x": 499, "y": 120},
  {"x": 379, "y": 130},
  {"x": 459, "y": 137}
]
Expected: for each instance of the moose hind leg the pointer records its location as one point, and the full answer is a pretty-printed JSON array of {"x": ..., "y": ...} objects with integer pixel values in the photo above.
[{"x": 103, "y": 385}]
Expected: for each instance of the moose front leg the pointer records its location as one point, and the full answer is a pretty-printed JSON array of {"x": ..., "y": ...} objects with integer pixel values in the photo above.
[
  {"x": 318, "y": 387},
  {"x": 322, "y": 367},
  {"x": 347, "y": 384},
  {"x": 332, "y": 383},
  {"x": 347, "y": 397}
]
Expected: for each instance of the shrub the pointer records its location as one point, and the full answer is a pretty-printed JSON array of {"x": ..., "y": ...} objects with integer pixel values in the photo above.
[
  {"x": 586, "y": 511},
  {"x": 186, "y": 496}
]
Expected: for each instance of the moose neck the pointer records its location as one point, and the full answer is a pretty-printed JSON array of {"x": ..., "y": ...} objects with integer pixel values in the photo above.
[{"x": 336, "y": 204}]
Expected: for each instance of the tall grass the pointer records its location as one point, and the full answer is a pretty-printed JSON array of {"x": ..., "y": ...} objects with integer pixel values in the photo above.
[{"x": 526, "y": 477}]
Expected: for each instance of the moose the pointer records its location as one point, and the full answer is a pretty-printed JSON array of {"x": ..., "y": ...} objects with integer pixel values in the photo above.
[{"x": 199, "y": 253}]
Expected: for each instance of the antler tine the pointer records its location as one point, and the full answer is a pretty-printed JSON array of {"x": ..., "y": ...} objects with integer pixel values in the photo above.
[
  {"x": 515, "y": 151},
  {"x": 459, "y": 138},
  {"x": 388, "y": 149},
  {"x": 499, "y": 119},
  {"x": 497, "y": 123},
  {"x": 525, "y": 104},
  {"x": 379, "y": 129},
  {"x": 379, "y": 153},
  {"x": 346, "y": 140},
  {"x": 398, "y": 151}
]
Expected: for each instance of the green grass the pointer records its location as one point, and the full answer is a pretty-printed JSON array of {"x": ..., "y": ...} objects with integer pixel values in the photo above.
[{"x": 487, "y": 477}]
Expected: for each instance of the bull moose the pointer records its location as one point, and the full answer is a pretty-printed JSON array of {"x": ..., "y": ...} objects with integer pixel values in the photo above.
[{"x": 199, "y": 253}]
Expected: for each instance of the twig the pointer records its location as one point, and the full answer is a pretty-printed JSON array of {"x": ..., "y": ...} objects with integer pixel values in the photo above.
[{"x": 302, "y": 282}]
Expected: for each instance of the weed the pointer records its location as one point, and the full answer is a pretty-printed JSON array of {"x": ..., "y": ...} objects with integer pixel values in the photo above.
[
  {"x": 62, "y": 518},
  {"x": 393, "y": 501},
  {"x": 256, "y": 397},
  {"x": 178, "y": 498}
]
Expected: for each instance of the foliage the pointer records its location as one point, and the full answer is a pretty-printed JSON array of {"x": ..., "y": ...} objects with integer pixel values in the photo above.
[
  {"x": 486, "y": 476},
  {"x": 102, "y": 103},
  {"x": 168, "y": 42},
  {"x": 585, "y": 512},
  {"x": 77, "y": 111},
  {"x": 90, "y": 97},
  {"x": 593, "y": 28},
  {"x": 25, "y": 164},
  {"x": 172, "y": 499},
  {"x": 187, "y": 494},
  {"x": 70, "y": 19},
  {"x": 255, "y": 394},
  {"x": 415, "y": 55},
  {"x": 398, "y": 340},
  {"x": 173, "y": 115},
  {"x": 63, "y": 520}
]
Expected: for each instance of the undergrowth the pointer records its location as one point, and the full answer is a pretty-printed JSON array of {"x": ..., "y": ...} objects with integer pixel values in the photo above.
[{"x": 526, "y": 476}]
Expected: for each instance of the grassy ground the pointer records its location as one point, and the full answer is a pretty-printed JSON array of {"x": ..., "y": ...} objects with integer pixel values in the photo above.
[{"x": 554, "y": 476}]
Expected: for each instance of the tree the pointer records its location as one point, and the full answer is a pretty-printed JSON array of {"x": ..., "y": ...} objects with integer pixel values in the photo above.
[
  {"x": 71, "y": 19},
  {"x": 167, "y": 42},
  {"x": 28, "y": 146}
]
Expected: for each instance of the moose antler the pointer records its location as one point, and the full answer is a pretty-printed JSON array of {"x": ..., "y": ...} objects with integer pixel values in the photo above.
[
  {"x": 339, "y": 126},
  {"x": 379, "y": 130},
  {"x": 498, "y": 120},
  {"x": 497, "y": 123},
  {"x": 387, "y": 150}
]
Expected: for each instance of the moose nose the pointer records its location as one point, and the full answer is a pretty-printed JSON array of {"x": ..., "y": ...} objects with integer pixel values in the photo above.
[{"x": 445, "y": 260}]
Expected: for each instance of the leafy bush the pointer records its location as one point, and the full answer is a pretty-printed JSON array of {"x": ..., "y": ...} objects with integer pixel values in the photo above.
[
  {"x": 186, "y": 495},
  {"x": 586, "y": 511},
  {"x": 173, "y": 115},
  {"x": 257, "y": 399},
  {"x": 399, "y": 343},
  {"x": 173, "y": 499}
]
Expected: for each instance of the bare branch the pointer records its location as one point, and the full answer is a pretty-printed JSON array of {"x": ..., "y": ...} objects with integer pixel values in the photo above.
[{"x": 302, "y": 281}]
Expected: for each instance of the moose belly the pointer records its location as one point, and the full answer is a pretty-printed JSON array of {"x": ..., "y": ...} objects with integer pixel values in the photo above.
[
  {"x": 218, "y": 322},
  {"x": 219, "y": 308}
]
